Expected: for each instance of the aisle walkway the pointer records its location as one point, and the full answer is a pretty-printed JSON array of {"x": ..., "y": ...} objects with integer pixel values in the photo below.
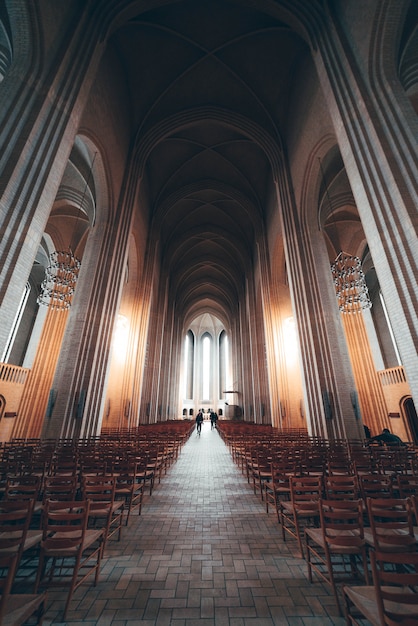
[{"x": 203, "y": 552}]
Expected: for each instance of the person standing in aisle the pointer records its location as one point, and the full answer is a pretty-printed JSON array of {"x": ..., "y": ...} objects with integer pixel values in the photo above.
[
  {"x": 213, "y": 419},
  {"x": 199, "y": 420}
]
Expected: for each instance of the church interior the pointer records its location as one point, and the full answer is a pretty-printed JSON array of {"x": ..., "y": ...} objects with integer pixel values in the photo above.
[
  {"x": 208, "y": 170},
  {"x": 208, "y": 205}
]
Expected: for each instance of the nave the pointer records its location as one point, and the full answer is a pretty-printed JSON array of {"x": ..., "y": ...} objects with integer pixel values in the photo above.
[{"x": 203, "y": 551}]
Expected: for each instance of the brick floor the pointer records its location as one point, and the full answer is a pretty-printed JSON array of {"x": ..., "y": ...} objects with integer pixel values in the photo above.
[{"x": 203, "y": 551}]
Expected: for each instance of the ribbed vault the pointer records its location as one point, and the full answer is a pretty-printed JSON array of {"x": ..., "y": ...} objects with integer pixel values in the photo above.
[{"x": 210, "y": 86}]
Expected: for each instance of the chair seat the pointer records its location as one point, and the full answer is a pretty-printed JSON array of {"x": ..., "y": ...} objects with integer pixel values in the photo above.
[
  {"x": 20, "y": 607},
  {"x": 316, "y": 534},
  {"x": 51, "y": 545},
  {"x": 364, "y": 598},
  {"x": 33, "y": 538},
  {"x": 308, "y": 510},
  {"x": 101, "y": 509},
  {"x": 386, "y": 545}
]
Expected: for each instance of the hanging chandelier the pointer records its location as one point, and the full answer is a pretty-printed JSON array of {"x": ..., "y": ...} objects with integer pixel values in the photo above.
[
  {"x": 350, "y": 284},
  {"x": 61, "y": 275}
]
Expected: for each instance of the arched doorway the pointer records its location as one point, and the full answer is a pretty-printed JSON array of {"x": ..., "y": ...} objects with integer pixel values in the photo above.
[{"x": 410, "y": 413}]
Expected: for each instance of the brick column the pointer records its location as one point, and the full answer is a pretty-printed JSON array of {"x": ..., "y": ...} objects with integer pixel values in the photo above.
[
  {"x": 35, "y": 144},
  {"x": 376, "y": 130}
]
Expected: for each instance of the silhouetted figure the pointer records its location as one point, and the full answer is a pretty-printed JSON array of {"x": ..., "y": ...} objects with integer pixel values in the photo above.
[
  {"x": 388, "y": 438},
  {"x": 213, "y": 419},
  {"x": 199, "y": 420}
]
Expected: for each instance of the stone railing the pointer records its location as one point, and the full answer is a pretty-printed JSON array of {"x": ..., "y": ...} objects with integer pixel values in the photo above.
[
  {"x": 392, "y": 376},
  {"x": 13, "y": 374}
]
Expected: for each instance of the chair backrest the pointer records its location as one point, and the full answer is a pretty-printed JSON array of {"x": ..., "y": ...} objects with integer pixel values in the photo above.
[
  {"x": 407, "y": 485},
  {"x": 98, "y": 488},
  {"x": 126, "y": 472},
  {"x": 342, "y": 522},
  {"x": 376, "y": 486},
  {"x": 391, "y": 523},
  {"x": 60, "y": 488},
  {"x": 23, "y": 488},
  {"x": 282, "y": 470},
  {"x": 305, "y": 489},
  {"x": 362, "y": 461},
  {"x": 341, "y": 487},
  {"x": 64, "y": 524},
  {"x": 395, "y": 577}
]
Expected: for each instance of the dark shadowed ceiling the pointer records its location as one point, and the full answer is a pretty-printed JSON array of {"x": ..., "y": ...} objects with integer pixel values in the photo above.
[{"x": 210, "y": 84}]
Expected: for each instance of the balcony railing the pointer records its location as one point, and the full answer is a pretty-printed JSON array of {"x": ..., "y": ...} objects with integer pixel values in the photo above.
[
  {"x": 392, "y": 376},
  {"x": 13, "y": 374}
]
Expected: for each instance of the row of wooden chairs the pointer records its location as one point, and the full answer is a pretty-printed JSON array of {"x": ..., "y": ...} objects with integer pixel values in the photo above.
[
  {"x": 69, "y": 529},
  {"x": 355, "y": 524},
  {"x": 56, "y": 526},
  {"x": 126, "y": 487},
  {"x": 341, "y": 536},
  {"x": 311, "y": 461},
  {"x": 31, "y": 456},
  {"x": 14, "y": 529},
  {"x": 341, "y": 547},
  {"x": 69, "y": 552},
  {"x": 96, "y": 460}
]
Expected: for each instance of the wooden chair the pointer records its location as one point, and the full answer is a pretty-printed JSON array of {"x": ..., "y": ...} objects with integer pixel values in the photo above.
[
  {"x": 314, "y": 462},
  {"x": 105, "y": 511},
  {"x": 93, "y": 464},
  {"x": 393, "y": 598},
  {"x": 60, "y": 488},
  {"x": 278, "y": 488},
  {"x": 23, "y": 488},
  {"x": 155, "y": 463},
  {"x": 70, "y": 552},
  {"x": 391, "y": 525},
  {"x": 334, "y": 549},
  {"x": 406, "y": 485},
  {"x": 376, "y": 486},
  {"x": 65, "y": 462},
  {"x": 338, "y": 460},
  {"x": 341, "y": 487},
  {"x": 20, "y": 488},
  {"x": 16, "y": 608},
  {"x": 250, "y": 458},
  {"x": 362, "y": 461},
  {"x": 145, "y": 471},
  {"x": 302, "y": 508},
  {"x": 129, "y": 487},
  {"x": 261, "y": 473}
]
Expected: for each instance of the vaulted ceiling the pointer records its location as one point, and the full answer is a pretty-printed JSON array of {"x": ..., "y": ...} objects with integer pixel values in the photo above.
[{"x": 209, "y": 84}]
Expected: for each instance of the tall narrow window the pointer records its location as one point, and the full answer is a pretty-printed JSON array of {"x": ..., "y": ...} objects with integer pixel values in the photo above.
[
  {"x": 6, "y": 50},
  {"x": 15, "y": 327},
  {"x": 389, "y": 325},
  {"x": 188, "y": 365},
  {"x": 223, "y": 362},
  {"x": 206, "y": 345}
]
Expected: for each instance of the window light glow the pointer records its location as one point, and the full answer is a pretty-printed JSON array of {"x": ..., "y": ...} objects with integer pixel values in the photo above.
[
  {"x": 120, "y": 337},
  {"x": 185, "y": 365},
  {"x": 206, "y": 369},
  {"x": 290, "y": 339},
  {"x": 389, "y": 325}
]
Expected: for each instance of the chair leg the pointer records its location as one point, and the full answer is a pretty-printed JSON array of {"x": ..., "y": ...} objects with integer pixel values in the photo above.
[
  {"x": 332, "y": 582},
  {"x": 299, "y": 535},
  {"x": 308, "y": 558}
]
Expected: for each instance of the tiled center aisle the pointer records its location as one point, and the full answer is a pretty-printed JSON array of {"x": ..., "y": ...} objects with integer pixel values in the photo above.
[{"x": 204, "y": 551}]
